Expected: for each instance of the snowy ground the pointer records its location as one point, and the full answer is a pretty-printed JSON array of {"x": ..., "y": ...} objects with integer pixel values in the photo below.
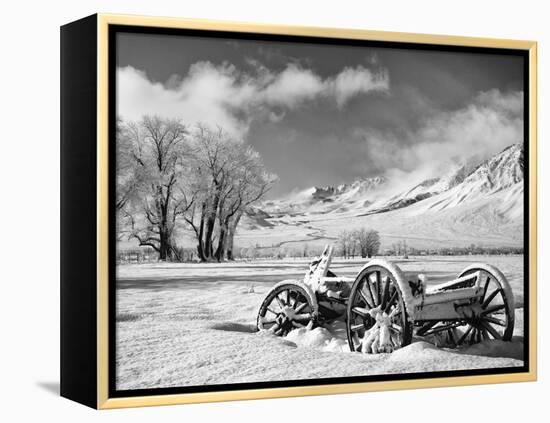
[{"x": 194, "y": 324}]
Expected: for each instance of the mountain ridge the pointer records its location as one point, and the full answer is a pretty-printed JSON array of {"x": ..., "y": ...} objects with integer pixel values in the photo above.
[
  {"x": 498, "y": 172},
  {"x": 475, "y": 201}
]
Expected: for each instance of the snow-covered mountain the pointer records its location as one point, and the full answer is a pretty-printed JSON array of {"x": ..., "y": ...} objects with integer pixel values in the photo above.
[
  {"x": 502, "y": 171},
  {"x": 479, "y": 199},
  {"x": 429, "y": 187},
  {"x": 327, "y": 199},
  {"x": 464, "y": 182}
]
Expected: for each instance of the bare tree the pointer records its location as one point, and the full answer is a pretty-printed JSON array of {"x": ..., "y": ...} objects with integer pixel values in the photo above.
[
  {"x": 230, "y": 176},
  {"x": 212, "y": 160},
  {"x": 368, "y": 241},
  {"x": 126, "y": 171},
  {"x": 405, "y": 249},
  {"x": 127, "y": 179},
  {"x": 250, "y": 182},
  {"x": 345, "y": 242},
  {"x": 159, "y": 153},
  {"x": 399, "y": 248}
]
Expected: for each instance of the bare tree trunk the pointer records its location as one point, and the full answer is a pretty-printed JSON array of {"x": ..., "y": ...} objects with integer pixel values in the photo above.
[
  {"x": 221, "y": 243},
  {"x": 232, "y": 228},
  {"x": 165, "y": 233},
  {"x": 210, "y": 224},
  {"x": 164, "y": 249},
  {"x": 200, "y": 247}
]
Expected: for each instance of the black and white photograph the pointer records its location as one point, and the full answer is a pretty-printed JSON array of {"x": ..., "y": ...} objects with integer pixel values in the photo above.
[{"x": 299, "y": 210}]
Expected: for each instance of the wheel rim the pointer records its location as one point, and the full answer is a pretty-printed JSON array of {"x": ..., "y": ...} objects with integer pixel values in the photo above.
[
  {"x": 493, "y": 322},
  {"x": 285, "y": 309},
  {"x": 375, "y": 288}
]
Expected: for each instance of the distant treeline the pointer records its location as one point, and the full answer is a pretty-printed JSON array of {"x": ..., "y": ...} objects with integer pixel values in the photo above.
[
  {"x": 257, "y": 251},
  {"x": 461, "y": 251}
]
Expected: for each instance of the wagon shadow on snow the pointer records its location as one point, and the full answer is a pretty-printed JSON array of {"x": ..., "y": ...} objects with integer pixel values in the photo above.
[
  {"x": 160, "y": 284},
  {"x": 235, "y": 327}
]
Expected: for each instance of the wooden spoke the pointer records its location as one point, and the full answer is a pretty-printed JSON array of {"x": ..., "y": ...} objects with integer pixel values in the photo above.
[
  {"x": 361, "y": 311},
  {"x": 296, "y": 300},
  {"x": 478, "y": 339},
  {"x": 302, "y": 316},
  {"x": 473, "y": 336},
  {"x": 485, "y": 288},
  {"x": 396, "y": 328},
  {"x": 492, "y": 309},
  {"x": 287, "y": 302},
  {"x": 271, "y": 311},
  {"x": 300, "y": 307},
  {"x": 293, "y": 297},
  {"x": 452, "y": 336},
  {"x": 491, "y": 330},
  {"x": 485, "y": 334},
  {"x": 442, "y": 328},
  {"x": 495, "y": 321},
  {"x": 355, "y": 341},
  {"x": 490, "y": 298},
  {"x": 280, "y": 302},
  {"x": 268, "y": 322},
  {"x": 395, "y": 314},
  {"x": 392, "y": 301},
  {"x": 386, "y": 292},
  {"x": 465, "y": 335},
  {"x": 355, "y": 328},
  {"x": 426, "y": 327},
  {"x": 364, "y": 298},
  {"x": 378, "y": 287},
  {"x": 370, "y": 292}
]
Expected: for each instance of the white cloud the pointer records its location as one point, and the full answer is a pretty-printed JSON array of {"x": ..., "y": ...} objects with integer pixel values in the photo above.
[
  {"x": 295, "y": 85},
  {"x": 292, "y": 86},
  {"x": 490, "y": 123},
  {"x": 205, "y": 95},
  {"x": 223, "y": 95},
  {"x": 354, "y": 81}
]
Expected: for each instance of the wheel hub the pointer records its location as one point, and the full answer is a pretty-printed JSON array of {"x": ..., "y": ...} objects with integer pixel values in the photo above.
[{"x": 289, "y": 313}]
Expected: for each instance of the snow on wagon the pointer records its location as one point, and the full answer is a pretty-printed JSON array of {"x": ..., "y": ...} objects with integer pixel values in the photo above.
[{"x": 383, "y": 309}]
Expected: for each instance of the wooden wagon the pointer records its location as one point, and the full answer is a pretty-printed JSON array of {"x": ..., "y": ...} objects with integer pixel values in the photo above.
[{"x": 383, "y": 309}]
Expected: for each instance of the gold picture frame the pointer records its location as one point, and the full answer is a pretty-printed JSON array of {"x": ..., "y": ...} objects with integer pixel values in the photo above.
[{"x": 101, "y": 254}]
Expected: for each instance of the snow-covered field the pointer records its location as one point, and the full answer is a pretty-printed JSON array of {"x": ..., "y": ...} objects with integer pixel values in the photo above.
[
  {"x": 477, "y": 222},
  {"x": 194, "y": 324}
]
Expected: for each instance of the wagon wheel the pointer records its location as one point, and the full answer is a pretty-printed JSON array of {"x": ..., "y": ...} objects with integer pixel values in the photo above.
[
  {"x": 378, "y": 289},
  {"x": 496, "y": 319},
  {"x": 286, "y": 307}
]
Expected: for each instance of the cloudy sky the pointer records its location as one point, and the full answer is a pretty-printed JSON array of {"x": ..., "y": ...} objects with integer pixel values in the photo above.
[{"x": 325, "y": 115}]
